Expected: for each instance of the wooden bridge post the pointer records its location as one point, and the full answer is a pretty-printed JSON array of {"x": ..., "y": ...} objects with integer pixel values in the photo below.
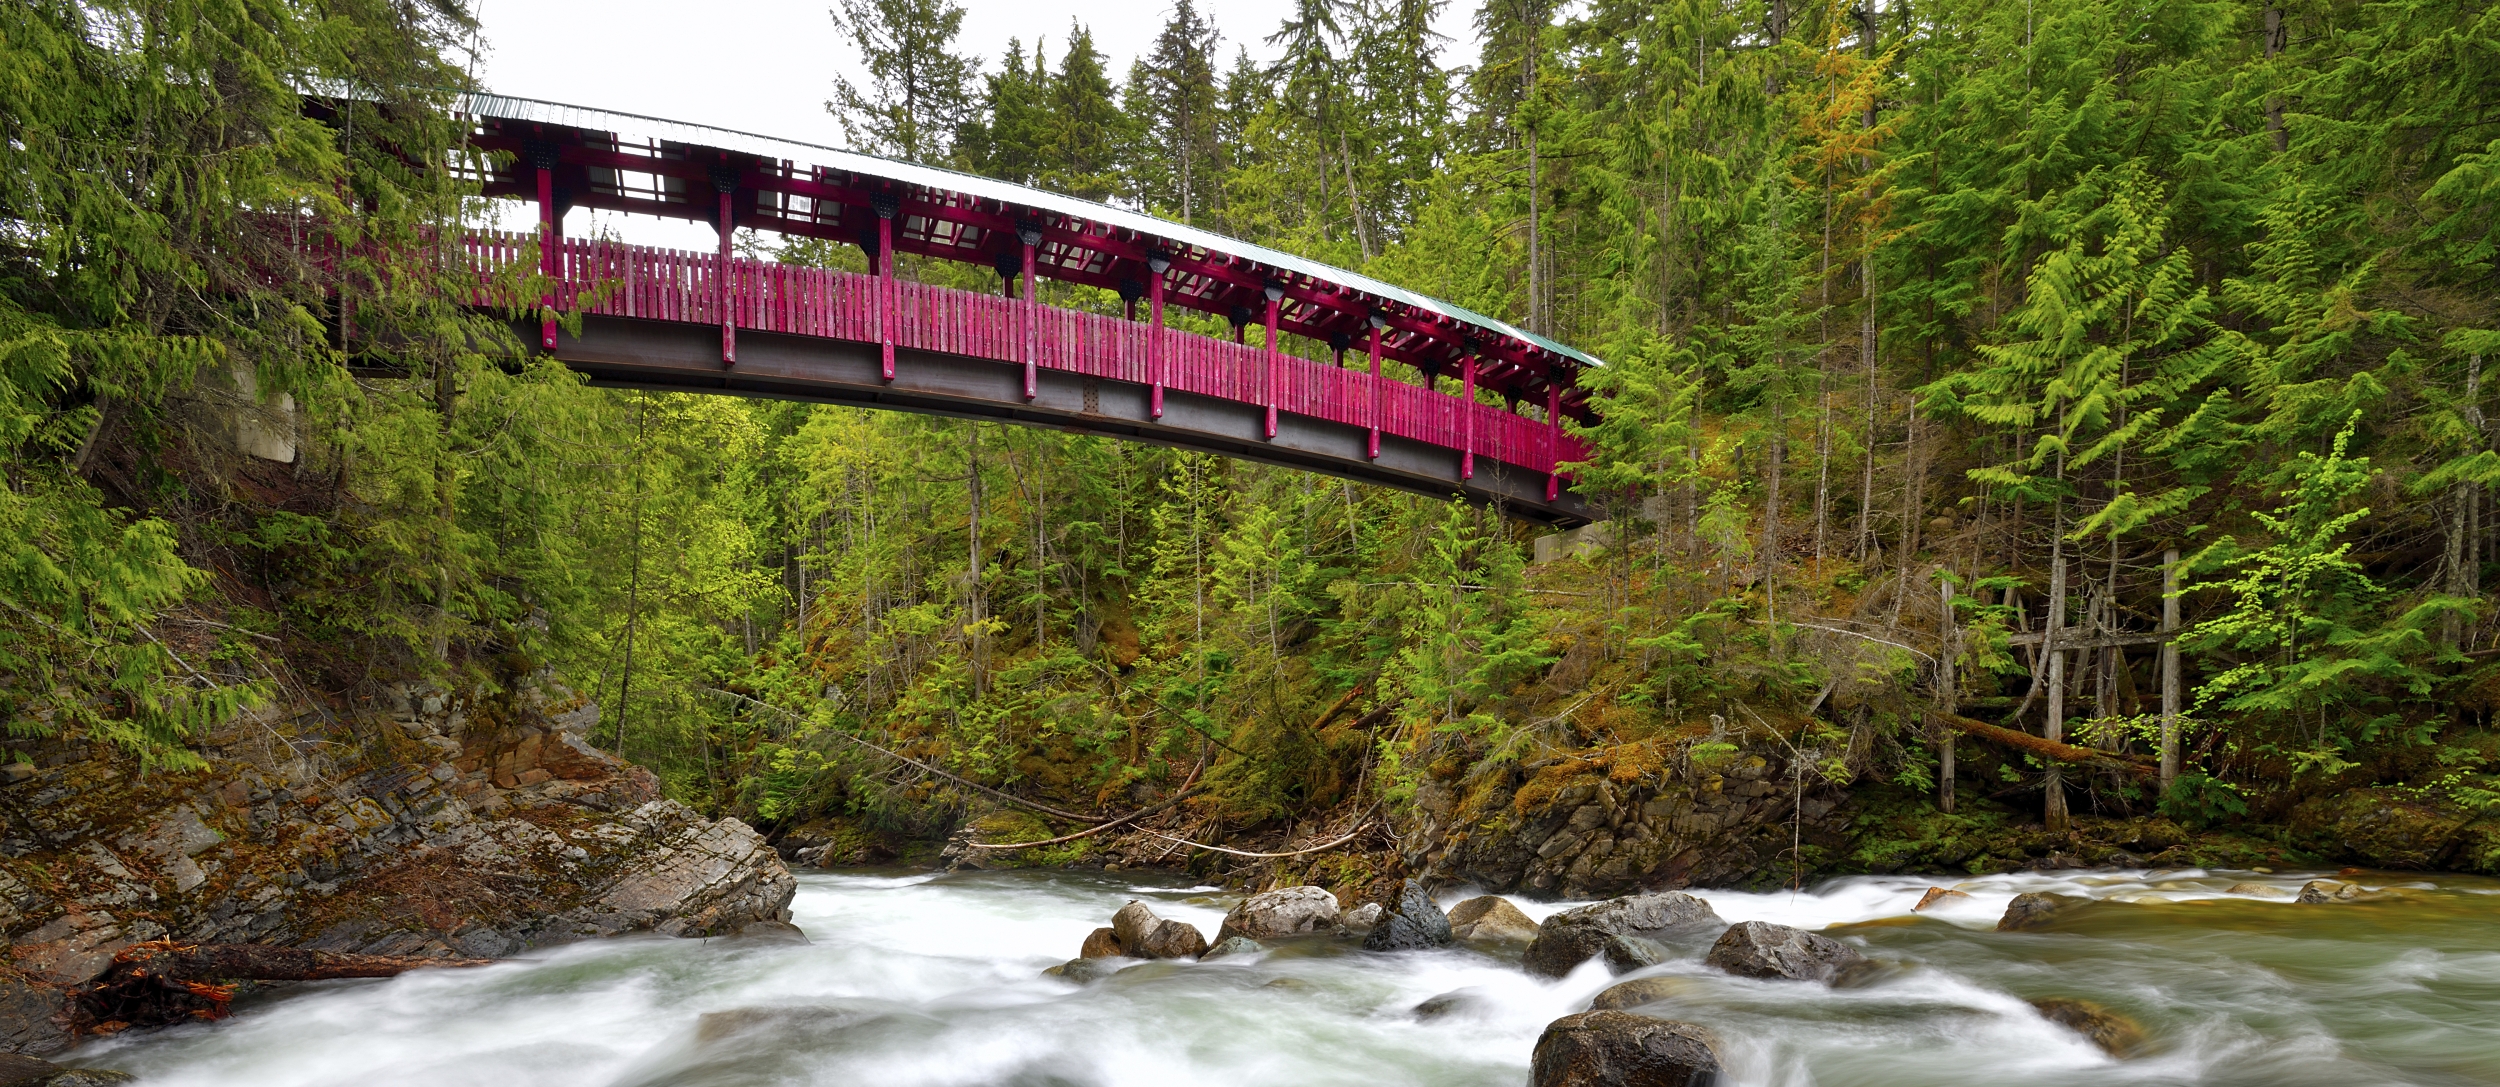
[
  {"x": 1275, "y": 352},
  {"x": 1157, "y": 263},
  {"x": 1553, "y": 437},
  {"x": 724, "y": 292},
  {"x": 550, "y": 233},
  {"x": 1467, "y": 413},
  {"x": 885, "y": 207},
  {"x": 1031, "y": 235},
  {"x": 1378, "y": 324}
]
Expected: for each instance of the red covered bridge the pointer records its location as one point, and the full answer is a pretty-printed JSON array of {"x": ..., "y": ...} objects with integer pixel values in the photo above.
[{"x": 664, "y": 319}]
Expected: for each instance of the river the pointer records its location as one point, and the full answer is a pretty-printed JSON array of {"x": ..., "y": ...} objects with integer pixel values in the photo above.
[{"x": 919, "y": 978}]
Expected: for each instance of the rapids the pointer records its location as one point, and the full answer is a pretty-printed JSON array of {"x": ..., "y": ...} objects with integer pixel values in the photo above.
[{"x": 918, "y": 978}]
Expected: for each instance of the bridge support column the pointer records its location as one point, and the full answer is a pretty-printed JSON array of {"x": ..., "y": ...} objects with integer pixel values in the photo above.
[
  {"x": 1378, "y": 324},
  {"x": 1031, "y": 236},
  {"x": 1467, "y": 414},
  {"x": 1275, "y": 352},
  {"x": 550, "y": 238},
  {"x": 723, "y": 292},
  {"x": 1553, "y": 437},
  {"x": 885, "y": 207},
  {"x": 1156, "y": 263}
]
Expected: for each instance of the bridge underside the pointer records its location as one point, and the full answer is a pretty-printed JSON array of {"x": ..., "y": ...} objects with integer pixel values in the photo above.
[{"x": 631, "y": 353}]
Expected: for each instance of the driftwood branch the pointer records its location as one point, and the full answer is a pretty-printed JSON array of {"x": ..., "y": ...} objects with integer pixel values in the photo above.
[
  {"x": 161, "y": 982},
  {"x": 1349, "y": 836},
  {"x": 2047, "y": 748},
  {"x": 1088, "y": 833}
]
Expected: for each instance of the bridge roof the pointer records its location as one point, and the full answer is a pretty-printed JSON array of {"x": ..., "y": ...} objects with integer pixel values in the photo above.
[{"x": 802, "y": 187}]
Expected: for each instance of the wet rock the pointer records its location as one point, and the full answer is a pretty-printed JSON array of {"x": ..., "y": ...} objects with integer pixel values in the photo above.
[
  {"x": 1935, "y": 895},
  {"x": 770, "y": 932},
  {"x": 1624, "y": 954},
  {"x": 1416, "y": 924},
  {"x": 1083, "y": 971},
  {"x": 2035, "y": 910},
  {"x": 2254, "y": 890},
  {"x": 720, "y": 1026},
  {"x": 1572, "y": 937},
  {"x": 1287, "y": 983},
  {"x": 2116, "y": 1034},
  {"x": 1232, "y": 945},
  {"x": 30, "y": 1017},
  {"x": 2327, "y": 890},
  {"x": 1362, "y": 919},
  {"x": 1469, "y": 1003},
  {"x": 1619, "y": 1049},
  {"x": 1625, "y": 995},
  {"x": 19, "y": 1070},
  {"x": 1147, "y": 936},
  {"x": 1490, "y": 919},
  {"x": 1759, "y": 949},
  {"x": 1102, "y": 943},
  {"x": 692, "y": 877},
  {"x": 1281, "y": 914}
]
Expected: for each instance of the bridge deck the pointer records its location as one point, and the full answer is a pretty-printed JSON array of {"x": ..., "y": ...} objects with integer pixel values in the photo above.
[{"x": 652, "y": 318}]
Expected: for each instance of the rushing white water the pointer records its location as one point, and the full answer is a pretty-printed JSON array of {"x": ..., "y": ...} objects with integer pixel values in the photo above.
[{"x": 936, "y": 979}]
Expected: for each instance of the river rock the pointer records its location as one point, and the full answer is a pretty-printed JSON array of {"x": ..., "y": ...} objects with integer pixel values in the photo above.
[
  {"x": 1416, "y": 924},
  {"x": 1362, "y": 919},
  {"x": 1935, "y": 895},
  {"x": 714, "y": 1027},
  {"x": 1572, "y": 937},
  {"x": 2327, "y": 890},
  {"x": 2254, "y": 890},
  {"x": 1626, "y": 995},
  {"x": 2035, "y": 910},
  {"x": 1147, "y": 936},
  {"x": 1232, "y": 945},
  {"x": 1083, "y": 971},
  {"x": 1490, "y": 919},
  {"x": 1102, "y": 943},
  {"x": 2116, "y": 1034},
  {"x": 770, "y": 932},
  {"x": 1624, "y": 954},
  {"x": 1281, "y": 914},
  {"x": 1620, "y": 1049},
  {"x": 1469, "y": 1003},
  {"x": 1759, "y": 949},
  {"x": 19, "y": 1070}
]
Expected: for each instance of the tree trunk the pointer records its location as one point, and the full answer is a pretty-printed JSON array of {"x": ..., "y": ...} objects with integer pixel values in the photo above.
[
  {"x": 2053, "y": 809},
  {"x": 2169, "y": 669},
  {"x": 1948, "y": 696}
]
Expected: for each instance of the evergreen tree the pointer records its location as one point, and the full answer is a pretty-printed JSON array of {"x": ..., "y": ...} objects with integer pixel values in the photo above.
[{"x": 919, "y": 92}]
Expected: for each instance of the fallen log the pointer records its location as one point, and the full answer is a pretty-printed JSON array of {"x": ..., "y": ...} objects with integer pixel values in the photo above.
[
  {"x": 162, "y": 982},
  {"x": 2051, "y": 749}
]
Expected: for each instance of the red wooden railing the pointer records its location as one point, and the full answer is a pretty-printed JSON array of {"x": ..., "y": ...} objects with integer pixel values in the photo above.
[{"x": 617, "y": 280}]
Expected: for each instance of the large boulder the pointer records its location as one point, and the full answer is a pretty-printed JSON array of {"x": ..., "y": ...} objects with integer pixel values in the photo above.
[
  {"x": 1417, "y": 923},
  {"x": 1102, "y": 943},
  {"x": 2035, "y": 910},
  {"x": 1281, "y": 914},
  {"x": 1147, "y": 936},
  {"x": 1759, "y": 949},
  {"x": 1490, "y": 919},
  {"x": 2328, "y": 890},
  {"x": 1572, "y": 937},
  {"x": 1620, "y": 1049}
]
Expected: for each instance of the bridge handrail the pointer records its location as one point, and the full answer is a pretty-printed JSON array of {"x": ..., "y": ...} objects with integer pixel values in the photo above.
[{"x": 615, "y": 279}]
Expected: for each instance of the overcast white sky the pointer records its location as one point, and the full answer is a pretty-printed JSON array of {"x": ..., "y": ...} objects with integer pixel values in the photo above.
[{"x": 767, "y": 66}]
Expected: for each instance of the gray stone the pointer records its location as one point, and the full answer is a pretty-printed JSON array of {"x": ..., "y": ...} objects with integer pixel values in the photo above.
[
  {"x": 1084, "y": 971},
  {"x": 1620, "y": 1049},
  {"x": 1468, "y": 1003},
  {"x": 2327, "y": 890},
  {"x": 1491, "y": 920},
  {"x": 1759, "y": 949},
  {"x": 1281, "y": 914},
  {"x": 1416, "y": 924},
  {"x": 770, "y": 932},
  {"x": 2035, "y": 910},
  {"x": 1232, "y": 945},
  {"x": 1624, "y": 954},
  {"x": 1362, "y": 919},
  {"x": 29, "y": 1018},
  {"x": 1572, "y": 937}
]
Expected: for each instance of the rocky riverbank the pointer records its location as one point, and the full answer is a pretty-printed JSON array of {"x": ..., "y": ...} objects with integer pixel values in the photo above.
[{"x": 426, "y": 825}]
